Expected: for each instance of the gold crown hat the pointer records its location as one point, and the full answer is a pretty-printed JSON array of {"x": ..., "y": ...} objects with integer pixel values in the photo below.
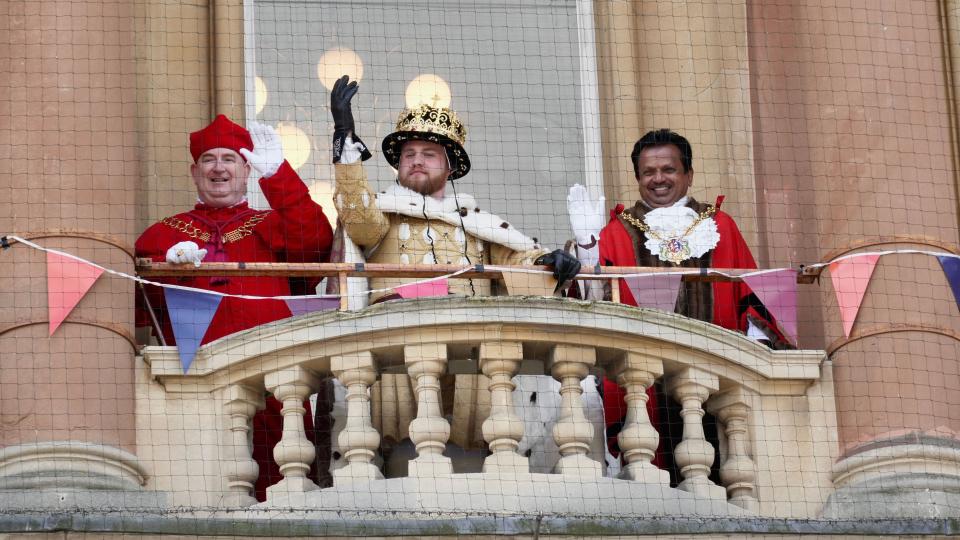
[{"x": 432, "y": 124}]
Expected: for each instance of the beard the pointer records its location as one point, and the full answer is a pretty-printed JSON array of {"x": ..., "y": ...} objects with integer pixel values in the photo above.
[{"x": 426, "y": 184}]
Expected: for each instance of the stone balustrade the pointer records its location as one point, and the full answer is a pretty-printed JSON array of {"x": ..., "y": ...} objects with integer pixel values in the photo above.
[{"x": 703, "y": 367}]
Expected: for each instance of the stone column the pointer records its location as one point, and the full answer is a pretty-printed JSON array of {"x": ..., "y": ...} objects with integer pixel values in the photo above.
[
  {"x": 691, "y": 387},
  {"x": 573, "y": 432},
  {"x": 841, "y": 176},
  {"x": 430, "y": 430},
  {"x": 69, "y": 138},
  {"x": 240, "y": 469},
  {"x": 359, "y": 441},
  {"x": 638, "y": 439},
  {"x": 738, "y": 471},
  {"x": 294, "y": 453},
  {"x": 503, "y": 429}
]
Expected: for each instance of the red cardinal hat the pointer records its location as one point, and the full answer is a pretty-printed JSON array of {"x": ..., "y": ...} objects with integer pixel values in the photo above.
[{"x": 221, "y": 133}]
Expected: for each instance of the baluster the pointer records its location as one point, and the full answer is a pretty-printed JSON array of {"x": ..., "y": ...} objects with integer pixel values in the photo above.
[
  {"x": 573, "y": 432},
  {"x": 294, "y": 453},
  {"x": 242, "y": 402},
  {"x": 430, "y": 430},
  {"x": 738, "y": 472},
  {"x": 638, "y": 439},
  {"x": 691, "y": 387},
  {"x": 503, "y": 429},
  {"x": 358, "y": 440}
]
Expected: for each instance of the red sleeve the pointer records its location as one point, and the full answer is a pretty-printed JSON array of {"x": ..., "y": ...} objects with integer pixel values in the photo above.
[
  {"x": 729, "y": 307},
  {"x": 731, "y": 252},
  {"x": 297, "y": 229},
  {"x": 616, "y": 249}
]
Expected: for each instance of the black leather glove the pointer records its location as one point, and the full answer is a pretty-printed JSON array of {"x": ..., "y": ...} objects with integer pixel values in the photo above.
[
  {"x": 565, "y": 267},
  {"x": 343, "y": 91}
]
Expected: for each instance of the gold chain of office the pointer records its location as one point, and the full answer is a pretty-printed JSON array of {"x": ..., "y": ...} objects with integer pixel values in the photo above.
[
  {"x": 191, "y": 230},
  {"x": 675, "y": 249}
]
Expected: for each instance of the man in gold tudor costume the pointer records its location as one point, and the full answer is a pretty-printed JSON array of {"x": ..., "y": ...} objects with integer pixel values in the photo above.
[{"x": 416, "y": 221}]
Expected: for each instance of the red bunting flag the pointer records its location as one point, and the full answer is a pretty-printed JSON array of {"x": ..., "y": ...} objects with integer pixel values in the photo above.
[
  {"x": 850, "y": 279},
  {"x": 68, "y": 280}
]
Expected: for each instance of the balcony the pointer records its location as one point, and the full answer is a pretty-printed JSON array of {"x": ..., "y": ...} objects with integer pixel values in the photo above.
[{"x": 775, "y": 412}]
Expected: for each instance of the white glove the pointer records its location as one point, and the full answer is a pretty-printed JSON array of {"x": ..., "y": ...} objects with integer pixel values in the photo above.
[
  {"x": 351, "y": 151},
  {"x": 586, "y": 216},
  {"x": 186, "y": 252},
  {"x": 267, "y": 155}
]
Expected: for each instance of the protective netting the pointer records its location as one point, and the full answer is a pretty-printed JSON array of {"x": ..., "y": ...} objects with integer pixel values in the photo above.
[{"x": 479, "y": 266}]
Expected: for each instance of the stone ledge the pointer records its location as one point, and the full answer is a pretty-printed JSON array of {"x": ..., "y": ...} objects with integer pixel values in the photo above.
[
  {"x": 491, "y": 493},
  {"x": 214, "y": 524}
]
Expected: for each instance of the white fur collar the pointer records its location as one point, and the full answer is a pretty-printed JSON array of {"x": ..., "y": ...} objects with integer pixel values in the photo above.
[{"x": 484, "y": 225}]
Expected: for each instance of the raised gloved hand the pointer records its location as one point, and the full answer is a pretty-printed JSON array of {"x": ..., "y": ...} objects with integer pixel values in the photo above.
[
  {"x": 267, "y": 154},
  {"x": 565, "y": 267},
  {"x": 343, "y": 91},
  {"x": 186, "y": 252},
  {"x": 343, "y": 126},
  {"x": 586, "y": 215}
]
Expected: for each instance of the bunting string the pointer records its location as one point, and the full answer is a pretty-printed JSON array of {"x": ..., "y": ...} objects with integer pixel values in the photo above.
[
  {"x": 139, "y": 279},
  {"x": 681, "y": 272},
  {"x": 192, "y": 309}
]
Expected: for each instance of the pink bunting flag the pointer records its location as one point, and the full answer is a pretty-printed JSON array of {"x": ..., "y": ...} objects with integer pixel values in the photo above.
[
  {"x": 300, "y": 306},
  {"x": 778, "y": 292},
  {"x": 416, "y": 290},
  {"x": 658, "y": 291},
  {"x": 850, "y": 280},
  {"x": 68, "y": 280}
]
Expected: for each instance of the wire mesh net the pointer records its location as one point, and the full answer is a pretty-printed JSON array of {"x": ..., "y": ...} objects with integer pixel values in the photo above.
[{"x": 489, "y": 264}]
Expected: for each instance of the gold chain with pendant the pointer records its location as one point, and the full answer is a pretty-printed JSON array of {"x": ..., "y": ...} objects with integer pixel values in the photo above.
[
  {"x": 191, "y": 230},
  {"x": 675, "y": 249}
]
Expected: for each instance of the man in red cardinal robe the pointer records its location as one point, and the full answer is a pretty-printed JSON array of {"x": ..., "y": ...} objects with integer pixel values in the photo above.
[{"x": 222, "y": 227}]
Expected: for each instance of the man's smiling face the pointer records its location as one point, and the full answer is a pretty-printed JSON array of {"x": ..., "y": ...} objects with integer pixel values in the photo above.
[
  {"x": 661, "y": 175},
  {"x": 221, "y": 177}
]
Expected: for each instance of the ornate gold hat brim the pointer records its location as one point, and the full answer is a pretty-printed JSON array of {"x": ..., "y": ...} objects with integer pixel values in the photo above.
[{"x": 459, "y": 161}]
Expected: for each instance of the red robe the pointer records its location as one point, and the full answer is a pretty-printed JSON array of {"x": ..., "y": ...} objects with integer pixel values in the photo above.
[
  {"x": 294, "y": 230},
  {"x": 622, "y": 244},
  {"x": 618, "y": 247}
]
